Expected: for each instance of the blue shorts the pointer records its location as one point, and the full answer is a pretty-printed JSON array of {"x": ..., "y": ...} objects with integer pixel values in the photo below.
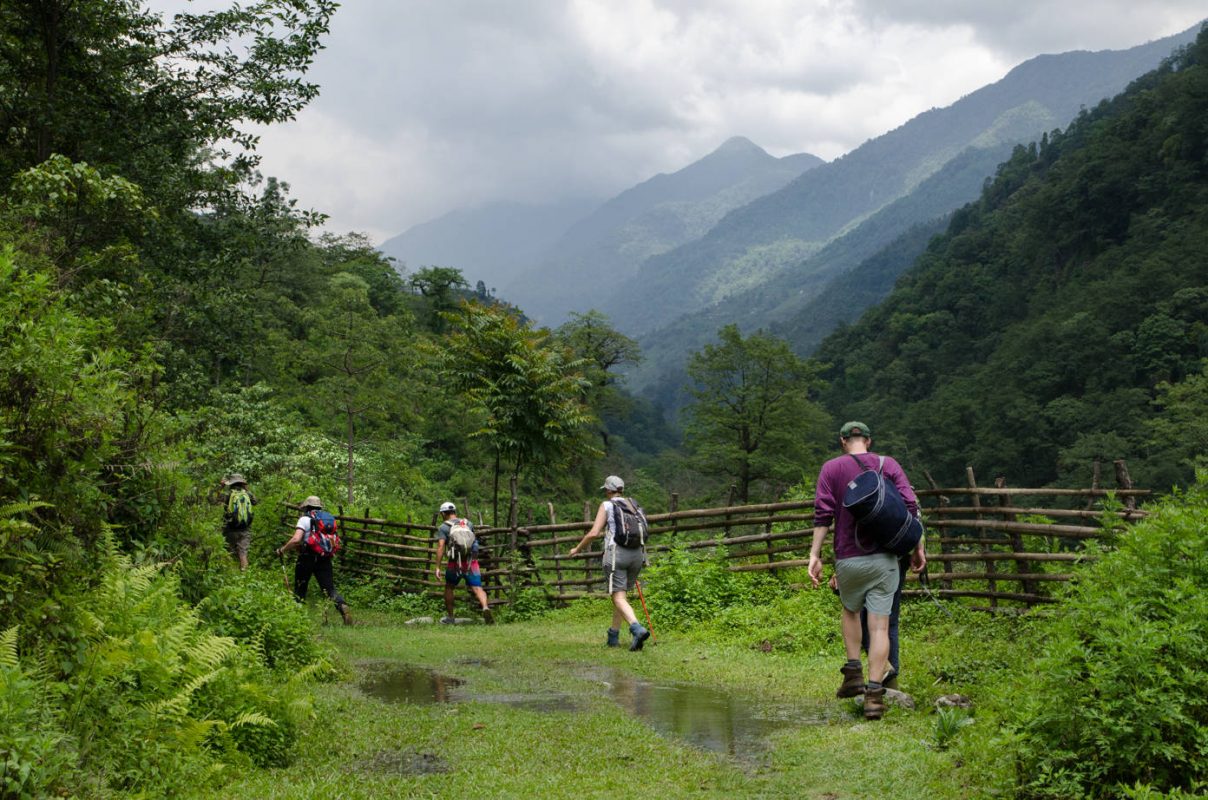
[{"x": 454, "y": 574}]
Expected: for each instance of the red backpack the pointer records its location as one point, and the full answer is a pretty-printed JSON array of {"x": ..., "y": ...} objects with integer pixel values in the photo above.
[{"x": 324, "y": 535}]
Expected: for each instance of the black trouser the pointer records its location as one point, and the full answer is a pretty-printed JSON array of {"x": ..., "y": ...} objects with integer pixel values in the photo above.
[
  {"x": 310, "y": 563},
  {"x": 894, "y": 616}
]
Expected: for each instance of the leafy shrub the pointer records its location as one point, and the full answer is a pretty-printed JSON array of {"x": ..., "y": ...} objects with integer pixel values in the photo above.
[
  {"x": 35, "y": 754},
  {"x": 806, "y": 622},
  {"x": 157, "y": 698},
  {"x": 254, "y": 608},
  {"x": 683, "y": 589},
  {"x": 528, "y": 603},
  {"x": 382, "y": 595},
  {"x": 1117, "y": 698}
]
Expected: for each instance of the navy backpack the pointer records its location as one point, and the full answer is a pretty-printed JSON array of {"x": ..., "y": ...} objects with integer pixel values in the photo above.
[{"x": 880, "y": 512}]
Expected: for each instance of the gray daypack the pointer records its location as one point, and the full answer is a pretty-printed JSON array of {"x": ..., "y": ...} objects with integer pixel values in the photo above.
[{"x": 461, "y": 541}]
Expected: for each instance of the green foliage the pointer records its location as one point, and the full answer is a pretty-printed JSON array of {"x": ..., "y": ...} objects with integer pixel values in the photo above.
[
  {"x": 375, "y": 594},
  {"x": 254, "y": 608},
  {"x": 1110, "y": 209},
  {"x": 35, "y": 754},
  {"x": 686, "y": 589},
  {"x": 804, "y": 622},
  {"x": 526, "y": 391},
  {"x": 527, "y": 603},
  {"x": 948, "y": 724},
  {"x": 1116, "y": 698},
  {"x": 752, "y": 420}
]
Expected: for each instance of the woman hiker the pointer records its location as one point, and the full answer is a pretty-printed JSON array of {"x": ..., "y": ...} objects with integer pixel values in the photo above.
[{"x": 622, "y": 565}]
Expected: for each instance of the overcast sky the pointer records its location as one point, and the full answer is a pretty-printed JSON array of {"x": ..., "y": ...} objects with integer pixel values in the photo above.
[{"x": 432, "y": 105}]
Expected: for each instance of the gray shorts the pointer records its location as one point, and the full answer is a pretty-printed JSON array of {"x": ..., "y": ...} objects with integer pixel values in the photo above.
[
  {"x": 238, "y": 541},
  {"x": 623, "y": 573},
  {"x": 868, "y": 582}
]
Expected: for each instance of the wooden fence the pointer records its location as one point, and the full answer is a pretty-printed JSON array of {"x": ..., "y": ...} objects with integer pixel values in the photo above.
[{"x": 1007, "y": 546}]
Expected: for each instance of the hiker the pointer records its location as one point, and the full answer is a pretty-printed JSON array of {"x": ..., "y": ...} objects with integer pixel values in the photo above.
[
  {"x": 456, "y": 535},
  {"x": 237, "y": 517},
  {"x": 315, "y": 553},
  {"x": 890, "y": 681},
  {"x": 623, "y": 558},
  {"x": 867, "y": 579}
]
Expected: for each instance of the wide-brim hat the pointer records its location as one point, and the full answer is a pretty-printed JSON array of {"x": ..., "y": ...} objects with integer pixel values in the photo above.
[
  {"x": 234, "y": 478},
  {"x": 312, "y": 502}
]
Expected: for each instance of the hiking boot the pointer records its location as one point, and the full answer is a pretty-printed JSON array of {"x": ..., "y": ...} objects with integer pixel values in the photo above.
[
  {"x": 890, "y": 681},
  {"x": 853, "y": 681},
  {"x": 874, "y": 703},
  {"x": 345, "y": 613},
  {"x": 446, "y": 620},
  {"x": 614, "y": 637},
  {"x": 640, "y": 635},
  {"x": 487, "y": 616}
]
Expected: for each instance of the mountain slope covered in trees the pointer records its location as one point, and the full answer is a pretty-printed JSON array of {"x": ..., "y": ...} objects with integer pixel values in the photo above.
[
  {"x": 755, "y": 243},
  {"x": 1061, "y": 318}
]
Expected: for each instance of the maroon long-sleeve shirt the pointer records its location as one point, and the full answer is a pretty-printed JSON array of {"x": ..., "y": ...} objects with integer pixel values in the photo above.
[{"x": 828, "y": 502}]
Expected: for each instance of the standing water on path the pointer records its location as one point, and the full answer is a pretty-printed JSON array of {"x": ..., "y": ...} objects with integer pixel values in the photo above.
[
  {"x": 707, "y": 718},
  {"x": 406, "y": 684}
]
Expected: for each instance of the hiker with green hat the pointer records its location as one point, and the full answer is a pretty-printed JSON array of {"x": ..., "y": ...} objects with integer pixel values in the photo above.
[
  {"x": 316, "y": 540},
  {"x": 868, "y": 577},
  {"x": 624, "y": 526},
  {"x": 237, "y": 517}
]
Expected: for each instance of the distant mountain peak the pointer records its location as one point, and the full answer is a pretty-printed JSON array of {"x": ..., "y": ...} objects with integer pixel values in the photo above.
[{"x": 738, "y": 144}]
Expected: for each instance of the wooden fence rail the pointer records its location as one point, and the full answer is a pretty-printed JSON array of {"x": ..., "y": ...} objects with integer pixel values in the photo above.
[{"x": 971, "y": 544}]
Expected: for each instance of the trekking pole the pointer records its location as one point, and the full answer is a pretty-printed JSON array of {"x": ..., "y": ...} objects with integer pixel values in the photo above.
[
  {"x": 926, "y": 583},
  {"x": 284, "y": 574},
  {"x": 646, "y": 611}
]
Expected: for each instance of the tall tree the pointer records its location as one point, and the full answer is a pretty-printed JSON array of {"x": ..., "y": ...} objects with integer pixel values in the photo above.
[
  {"x": 527, "y": 389},
  {"x": 159, "y": 102},
  {"x": 752, "y": 419},
  {"x": 603, "y": 350}
]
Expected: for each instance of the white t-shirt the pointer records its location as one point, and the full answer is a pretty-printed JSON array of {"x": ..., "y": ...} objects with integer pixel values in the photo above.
[{"x": 304, "y": 524}]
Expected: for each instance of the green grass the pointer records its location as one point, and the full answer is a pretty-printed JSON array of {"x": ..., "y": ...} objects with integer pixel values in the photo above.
[{"x": 360, "y": 747}]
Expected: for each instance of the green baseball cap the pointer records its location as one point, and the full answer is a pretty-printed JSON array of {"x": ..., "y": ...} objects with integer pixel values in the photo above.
[{"x": 850, "y": 429}]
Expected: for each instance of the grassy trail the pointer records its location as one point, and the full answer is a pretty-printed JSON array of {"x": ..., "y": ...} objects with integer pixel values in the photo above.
[{"x": 362, "y": 747}]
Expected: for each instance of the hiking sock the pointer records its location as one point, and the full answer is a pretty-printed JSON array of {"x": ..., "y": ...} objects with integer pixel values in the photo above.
[
  {"x": 614, "y": 637},
  {"x": 640, "y": 635},
  {"x": 873, "y": 686},
  {"x": 852, "y": 662}
]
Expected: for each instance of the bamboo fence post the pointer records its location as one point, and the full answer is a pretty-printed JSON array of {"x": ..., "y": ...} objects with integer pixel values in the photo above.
[
  {"x": 1095, "y": 470},
  {"x": 945, "y": 547},
  {"x": 674, "y": 521},
  {"x": 725, "y": 534},
  {"x": 767, "y": 529},
  {"x": 1123, "y": 481},
  {"x": 553, "y": 520},
  {"x": 587, "y": 519},
  {"x": 430, "y": 561},
  {"x": 1022, "y": 566},
  {"x": 991, "y": 584}
]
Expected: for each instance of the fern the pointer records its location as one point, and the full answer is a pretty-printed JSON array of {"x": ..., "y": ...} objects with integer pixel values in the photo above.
[{"x": 8, "y": 648}]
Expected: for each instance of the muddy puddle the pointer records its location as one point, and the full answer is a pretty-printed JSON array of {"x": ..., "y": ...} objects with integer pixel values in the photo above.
[
  {"x": 706, "y": 718},
  {"x": 421, "y": 686},
  {"x": 710, "y": 719}
]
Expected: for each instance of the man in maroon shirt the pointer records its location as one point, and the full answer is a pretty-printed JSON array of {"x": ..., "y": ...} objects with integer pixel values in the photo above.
[{"x": 868, "y": 577}]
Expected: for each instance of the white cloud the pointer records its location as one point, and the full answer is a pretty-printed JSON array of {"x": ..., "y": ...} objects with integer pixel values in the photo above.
[{"x": 429, "y": 105}]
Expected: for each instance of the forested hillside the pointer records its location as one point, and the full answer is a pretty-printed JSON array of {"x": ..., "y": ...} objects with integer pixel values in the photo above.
[
  {"x": 752, "y": 244},
  {"x": 1061, "y": 318}
]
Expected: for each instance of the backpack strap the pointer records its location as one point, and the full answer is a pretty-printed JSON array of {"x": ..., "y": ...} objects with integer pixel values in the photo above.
[{"x": 865, "y": 468}]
